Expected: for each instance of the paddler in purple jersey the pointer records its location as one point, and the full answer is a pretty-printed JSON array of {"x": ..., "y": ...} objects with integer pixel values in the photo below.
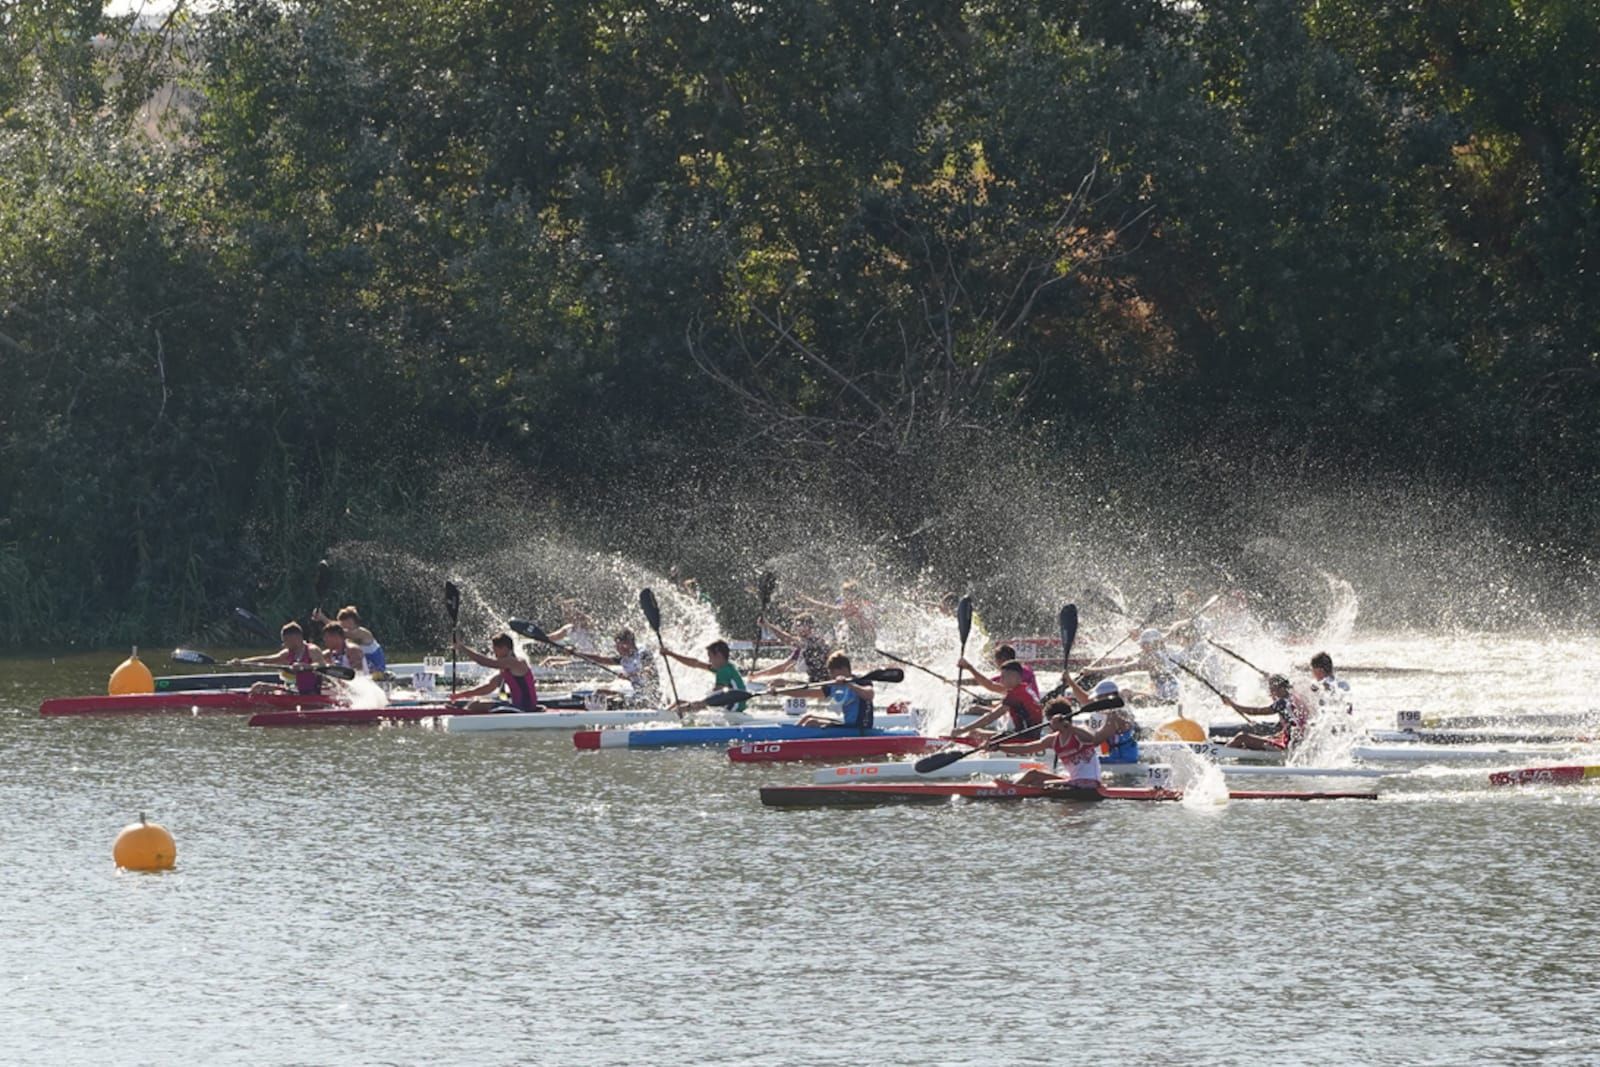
[
  {"x": 297, "y": 656},
  {"x": 515, "y": 674}
]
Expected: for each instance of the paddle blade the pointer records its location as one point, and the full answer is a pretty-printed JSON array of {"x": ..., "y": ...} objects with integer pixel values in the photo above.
[
  {"x": 766, "y": 585},
  {"x": 252, "y": 622},
  {"x": 964, "y": 618},
  {"x": 929, "y": 764},
  {"x": 336, "y": 671},
  {"x": 1067, "y": 622},
  {"x": 723, "y": 698},
  {"x": 452, "y": 601},
  {"x": 882, "y": 674},
  {"x": 652, "y": 611},
  {"x": 1108, "y": 704},
  {"x": 324, "y": 574},
  {"x": 189, "y": 655},
  {"x": 530, "y": 630}
]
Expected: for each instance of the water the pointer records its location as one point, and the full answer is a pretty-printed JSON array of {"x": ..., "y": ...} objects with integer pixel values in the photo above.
[{"x": 405, "y": 896}]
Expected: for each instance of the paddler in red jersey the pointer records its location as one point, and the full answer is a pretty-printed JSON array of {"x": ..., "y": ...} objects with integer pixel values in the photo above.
[
  {"x": 1076, "y": 749},
  {"x": 297, "y": 657},
  {"x": 1292, "y": 713},
  {"x": 515, "y": 674},
  {"x": 1003, "y": 654},
  {"x": 1019, "y": 703}
]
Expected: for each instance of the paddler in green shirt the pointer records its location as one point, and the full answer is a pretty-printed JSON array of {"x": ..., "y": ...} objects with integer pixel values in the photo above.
[{"x": 719, "y": 662}]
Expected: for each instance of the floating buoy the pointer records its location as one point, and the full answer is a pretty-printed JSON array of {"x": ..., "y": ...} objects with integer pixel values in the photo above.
[
  {"x": 145, "y": 846},
  {"x": 131, "y": 676},
  {"x": 1180, "y": 729}
]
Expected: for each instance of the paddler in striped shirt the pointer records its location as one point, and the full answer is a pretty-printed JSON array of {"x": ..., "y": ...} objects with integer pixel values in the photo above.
[
  {"x": 515, "y": 674},
  {"x": 1019, "y": 703},
  {"x": 297, "y": 655},
  {"x": 637, "y": 664},
  {"x": 852, "y": 703},
  {"x": 719, "y": 661}
]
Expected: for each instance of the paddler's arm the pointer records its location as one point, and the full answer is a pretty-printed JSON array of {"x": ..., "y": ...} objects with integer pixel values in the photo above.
[
  {"x": 278, "y": 658},
  {"x": 486, "y": 661},
  {"x": 1079, "y": 693},
  {"x": 994, "y": 713},
  {"x": 778, "y": 670},
  {"x": 478, "y": 690},
  {"x": 1242, "y": 710},
  {"x": 594, "y": 657},
  {"x": 979, "y": 678},
  {"x": 1023, "y": 748},
  {"x": 690, "y": 661}
]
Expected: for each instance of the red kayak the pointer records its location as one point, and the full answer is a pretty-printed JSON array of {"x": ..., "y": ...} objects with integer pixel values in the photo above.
[
  {"x": 833, "y": 748},
  {"x": 355, "y": 716},
  {"x": 1546, "y": 775},
  {"x": 854, "y": 793},
  {"x": 227, "y": 702}
]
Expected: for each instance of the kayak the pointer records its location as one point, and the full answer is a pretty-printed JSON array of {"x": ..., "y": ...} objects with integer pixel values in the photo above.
[
  {"x": 862, "y": 793},
  {"x": 227, "y": 701},
  {"x": 1473, "y": 737},
  {"x": 1546, "y": 775},
  {"x": 905, "y": 723},
  {"x": 990, "y": 766},
  {"x": 550, "y": 720},
  {"x": 1450, "y": 753},
  {"x": 852, "y": 747},
  {"x": 188, "y": 683},
  {"x": 398, "y": 712},
  {"x": 685, "y": 736}
]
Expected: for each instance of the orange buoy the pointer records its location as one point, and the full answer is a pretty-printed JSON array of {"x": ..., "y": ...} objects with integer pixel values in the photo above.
[
  {"x": 131, "y": 676},
  {"x": 1180, "y": 729},
  {"x": 145, "y": 846}
]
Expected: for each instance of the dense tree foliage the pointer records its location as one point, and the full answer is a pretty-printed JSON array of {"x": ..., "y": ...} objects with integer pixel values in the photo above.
[{"x": 258, "y": 267}]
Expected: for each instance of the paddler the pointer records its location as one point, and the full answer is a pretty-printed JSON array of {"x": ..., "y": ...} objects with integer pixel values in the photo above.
[
  {"x": 297, "y": 655},
  {"x": 577, "y": 629},
  {"x": 515, "y": 674},
  {"x": 852, "y": 702},
  {"x": 1154, "y": 660},
  {"x": 1331, "y": 694},
  {"x": 858, "y": 617},
  {"x": 809, "y": 649},
  {"x": 1075, "y": 750},
  {"x": 996, "y": 684},
  {"x": 358, "y": 635},
  {"x": 1119, "y": 731},
  {"x": 1292, "y": 713},
  {"x": 719, "y": 662},
  {"x": 338, "y": 651},
  {"x": 1019, "y": 703},
  {"x": 637, "y": 664}
]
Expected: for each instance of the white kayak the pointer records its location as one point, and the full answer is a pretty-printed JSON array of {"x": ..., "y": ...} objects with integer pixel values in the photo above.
[
  {"x": 646, "y": 717},
  {"x": 1418, "y": 753}
]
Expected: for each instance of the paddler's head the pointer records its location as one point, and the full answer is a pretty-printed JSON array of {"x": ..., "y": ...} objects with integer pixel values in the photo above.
[
  {"x": 627, "y": 643},
  {"x": 333, "y": 637},
  {"x": 1011, "y": 674},
  {"x": 349, "y": 617},
  {"x": 1150, "y": 638},
  {"x": 502, "y": 644},
  {"x": 1058, "y": 712},
  {"x": 293, "y": 636},
  {"x": 1321, "y": 666},
  {"x": 839, "y": 665},
  {"x": 1278, "y": 686},
  {"x": 805, "y": 625},
  {"x": 1003, "y": 654},
  {"x": 717, "y": 653}
]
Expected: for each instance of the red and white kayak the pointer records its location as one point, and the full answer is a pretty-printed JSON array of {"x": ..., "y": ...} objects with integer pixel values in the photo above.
[
  {"x": 224, "y": 703},
  {"x": 1546, "y": 775},
  {"x": 833, "y": 748},
  {"x": 861, "y": 793}
]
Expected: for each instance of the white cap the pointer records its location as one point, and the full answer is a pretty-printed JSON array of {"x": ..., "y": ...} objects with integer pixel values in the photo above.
[
  {"x": 1151, "y": 636},
  {"x": 1104, "y": 688}
]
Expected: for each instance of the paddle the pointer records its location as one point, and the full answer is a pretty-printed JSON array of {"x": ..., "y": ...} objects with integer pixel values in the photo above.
[
  {"x": 1203, "y": 681},
  {"x": 766, "y": 585},
  {"x": 252, "y": 622},
  {"x": 963, "y": 627},
  {"x": 1159, "y": 608},
  {"x": 929, "y": 764},
  {"x": 319, "y": 587},
  {"x": 452, "y": 604},
  {"x": 1241, "y": 659},
  {"x": 724, "y": 697},
  {"x": 652, "y": 615},
  {"x": 1067, "y": 623},
  {"x": 189, "y": 655},
  {"x": 532, "y": 631},
  {"x": 930, "y": 673}
]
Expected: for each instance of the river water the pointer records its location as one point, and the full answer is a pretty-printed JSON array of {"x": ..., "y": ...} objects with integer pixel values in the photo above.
[{"x": 400, "y": 895}]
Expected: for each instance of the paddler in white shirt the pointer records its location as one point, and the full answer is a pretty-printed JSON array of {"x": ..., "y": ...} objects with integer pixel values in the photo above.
[
  {"x": 1154, "y": 660},
  {"x": 1332, "y": 695},
  {"x": 637, "y": 664}
]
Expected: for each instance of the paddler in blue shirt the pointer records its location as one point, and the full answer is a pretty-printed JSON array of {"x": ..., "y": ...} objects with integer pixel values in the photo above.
[
  {"x": 852, "y": 703},
  {"x": 357, "y": 635},
  {"x": 515, "y": 674}
]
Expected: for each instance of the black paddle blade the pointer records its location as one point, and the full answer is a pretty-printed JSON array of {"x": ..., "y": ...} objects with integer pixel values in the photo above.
[
  {"x": 882, "y": 674},
  {"x": 1067, "y": 620},
  {"x": 652, "y": 611},
  {"x": 964, "y": 618},
  {"x": 336, "y": 671},
  {"x": 324, "y": 574},
  {"x": 189, "y": 655},
  {"x": 723, "y": 698},
  {"x": 1108, "y": 704},
  {"x": 252, "y": 622},
  {"x": 929, "y": 764},
  {"x": 766, "y": 585},
  {"x": 530, "y": 630},
  {"x": 452, "y": 601}
]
